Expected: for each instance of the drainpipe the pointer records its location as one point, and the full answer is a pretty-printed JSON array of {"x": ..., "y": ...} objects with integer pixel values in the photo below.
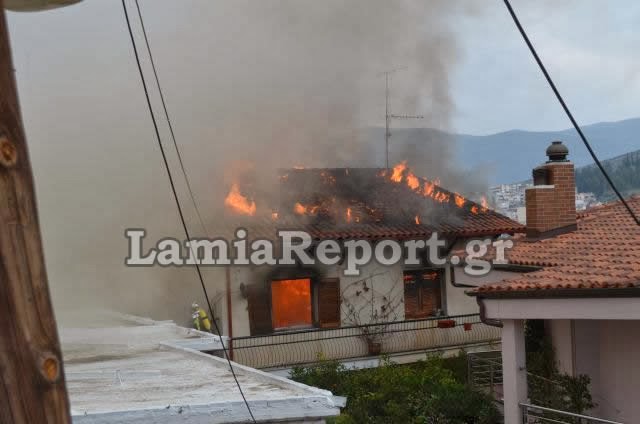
[
  {"x": 229, "y": 311},
  {"x": 453, "y": 280},
  {"x": 483, "y": 315}
]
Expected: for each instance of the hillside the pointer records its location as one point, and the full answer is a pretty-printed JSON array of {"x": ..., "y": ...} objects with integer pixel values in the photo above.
[
  {"x": 624, "y": 170},
  {"x": 509, "y": 156}
]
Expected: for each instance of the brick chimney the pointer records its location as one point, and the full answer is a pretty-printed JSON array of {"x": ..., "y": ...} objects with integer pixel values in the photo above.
[{"x": 551, "y": 202}]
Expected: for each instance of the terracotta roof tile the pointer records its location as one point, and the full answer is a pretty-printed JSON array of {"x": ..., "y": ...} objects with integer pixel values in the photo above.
[{"x": 604, "y": 252}]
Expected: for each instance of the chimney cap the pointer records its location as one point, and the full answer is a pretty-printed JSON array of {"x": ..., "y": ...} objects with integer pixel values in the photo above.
[{"x": 557, "y": 152}]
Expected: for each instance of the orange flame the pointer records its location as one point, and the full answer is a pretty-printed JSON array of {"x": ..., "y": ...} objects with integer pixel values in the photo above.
[
  {"x": 442, "y": 197},
  {"x": 299, "y": 208},
  {"x": 484, "y": 203},
  {"x": 428, "y": 188},
  {"x": 474, "y": 209},
  {"x": 459, "y": 200},
  {"x": 240, "y": 204},
  {"x": 396, "y": 174},
  {"x": 412, "y": 181},
  {"x": 417, "y": 219},
  {"x": 348, "y": 214}
]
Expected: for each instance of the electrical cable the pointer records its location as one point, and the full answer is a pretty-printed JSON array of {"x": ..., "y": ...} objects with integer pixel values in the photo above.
[
  {"x": 179, "y": 207},
  {"x": 567, "y": 111},
  {"x": 166, "y": 114}
]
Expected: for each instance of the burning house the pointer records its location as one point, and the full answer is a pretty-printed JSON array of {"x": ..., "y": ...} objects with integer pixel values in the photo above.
[{"x": 277, "y": 316}]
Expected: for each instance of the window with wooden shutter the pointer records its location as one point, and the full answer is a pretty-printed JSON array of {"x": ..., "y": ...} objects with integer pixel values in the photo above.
[
  {"x": 329, "y": 303},
  {"x": 259, "y": 309},
  {"x": 422, "y": 293}
]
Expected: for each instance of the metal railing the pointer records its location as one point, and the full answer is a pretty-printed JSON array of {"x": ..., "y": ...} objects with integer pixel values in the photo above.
[
  {"x": 285, "y": 349},
  {"x": 485, "y": 371},
  {"x": 534, "y": 414}
]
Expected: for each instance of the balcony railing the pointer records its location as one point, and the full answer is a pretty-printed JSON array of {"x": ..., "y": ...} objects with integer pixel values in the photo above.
[
  {"x": 534, "y": 414},
  {"x": 285, "y": 349},
  {"x": 485, "y": 371}
]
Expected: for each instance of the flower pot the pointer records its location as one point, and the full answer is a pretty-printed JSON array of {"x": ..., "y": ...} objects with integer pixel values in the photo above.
[
  {"x": 467, "y": 326},
  {"x": 446, "y": 323},
  {"x": 374, "y": 347}
]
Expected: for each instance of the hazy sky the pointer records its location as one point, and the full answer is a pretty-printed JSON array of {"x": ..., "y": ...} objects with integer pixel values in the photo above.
[{"x": 590, "y": 47}]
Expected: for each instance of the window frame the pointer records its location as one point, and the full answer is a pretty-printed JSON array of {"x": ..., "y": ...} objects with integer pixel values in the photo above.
[
  {"x": 313, "y": 299},
  {"x": 295, "y": 273},
  {"x": 441, "y": 285}
]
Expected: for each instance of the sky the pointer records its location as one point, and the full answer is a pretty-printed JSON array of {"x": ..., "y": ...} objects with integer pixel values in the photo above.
[
  {"x": 96, "y": 163},
  {"x": 589, "y": 47}
]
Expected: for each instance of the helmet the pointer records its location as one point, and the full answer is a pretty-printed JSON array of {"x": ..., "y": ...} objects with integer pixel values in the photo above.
[{"x": 194, "y": 305}]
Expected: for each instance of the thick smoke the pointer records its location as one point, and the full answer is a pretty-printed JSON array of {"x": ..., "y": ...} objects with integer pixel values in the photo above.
[
  {"x": 251, "y": 85},
  {"x": 297, "y": 82}
]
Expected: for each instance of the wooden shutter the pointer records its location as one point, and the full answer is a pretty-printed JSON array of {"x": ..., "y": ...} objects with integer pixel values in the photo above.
[
  {"x": 411, "y": 300},
  {"x": 422, "y": 294},
  {"x": 430, "y": 299},
  {"x": 258, "y": 299},
  {"x": 329, "y": 303}
]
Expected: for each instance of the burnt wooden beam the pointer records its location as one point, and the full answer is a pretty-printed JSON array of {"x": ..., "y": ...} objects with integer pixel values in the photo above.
[{"x": 32, "y": 384}]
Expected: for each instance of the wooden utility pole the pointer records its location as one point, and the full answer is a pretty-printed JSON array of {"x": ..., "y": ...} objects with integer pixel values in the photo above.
[{"x": 32, "y": 385}]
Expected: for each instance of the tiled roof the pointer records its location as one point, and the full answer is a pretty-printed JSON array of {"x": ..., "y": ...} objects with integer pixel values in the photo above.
[
  {"x": 603, "y": 253},
  {"x": 378, "y": 208}
]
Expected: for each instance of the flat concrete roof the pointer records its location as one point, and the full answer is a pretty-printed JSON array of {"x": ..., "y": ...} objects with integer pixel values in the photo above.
[{"x": 144, "y": 373}]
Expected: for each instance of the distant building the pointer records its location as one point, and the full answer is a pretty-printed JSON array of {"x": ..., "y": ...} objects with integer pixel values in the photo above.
[{"x": 509, "y": 200}]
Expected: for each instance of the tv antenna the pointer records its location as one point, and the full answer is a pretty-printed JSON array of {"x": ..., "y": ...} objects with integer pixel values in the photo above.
[{"x": 387, "y": 111}]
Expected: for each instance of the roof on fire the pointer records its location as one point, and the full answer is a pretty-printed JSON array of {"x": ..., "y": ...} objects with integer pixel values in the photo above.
[
  {"x": 603, "y": 254},
  {"x": 371, "y": 203}
]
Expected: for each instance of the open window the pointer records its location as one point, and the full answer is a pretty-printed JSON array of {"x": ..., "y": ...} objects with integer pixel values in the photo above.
[
  {"x": 422, "y": 293},
  {"x": 293, "y": 303}
]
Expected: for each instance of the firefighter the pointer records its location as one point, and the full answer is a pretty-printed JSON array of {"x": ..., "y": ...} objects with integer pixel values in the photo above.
[{"x": 200, "y": 319}]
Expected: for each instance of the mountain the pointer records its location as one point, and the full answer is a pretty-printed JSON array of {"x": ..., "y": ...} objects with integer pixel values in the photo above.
[
  {"x": 510, "y": 156},
  {"x": 624, "y": 170}
]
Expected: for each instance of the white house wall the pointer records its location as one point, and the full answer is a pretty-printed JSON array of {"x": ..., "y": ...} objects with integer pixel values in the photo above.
[
  {"x": 619, "y": 370},
  {"x": 562, "y": 334},
  {"x": 386, "y": 279},
  {"x": 458, "y": 303},
  {"x": 606, "y": 351}
]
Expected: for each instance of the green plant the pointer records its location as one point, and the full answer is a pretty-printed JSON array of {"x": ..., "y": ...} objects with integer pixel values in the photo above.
[{"x": 429, "y": 391}]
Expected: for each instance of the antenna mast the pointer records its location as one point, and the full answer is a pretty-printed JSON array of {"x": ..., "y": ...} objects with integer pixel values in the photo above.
[{"x": 388, "y": 116}]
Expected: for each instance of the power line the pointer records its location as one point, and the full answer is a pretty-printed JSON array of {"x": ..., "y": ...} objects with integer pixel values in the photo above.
[
  {"x": 166, "y": 114},
  {"x": 177, "y": 200},
  {"x": 567, "y": 111}
]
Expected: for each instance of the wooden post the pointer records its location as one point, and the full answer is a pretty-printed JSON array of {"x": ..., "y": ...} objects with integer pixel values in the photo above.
[{"x": 32, "y": 385}]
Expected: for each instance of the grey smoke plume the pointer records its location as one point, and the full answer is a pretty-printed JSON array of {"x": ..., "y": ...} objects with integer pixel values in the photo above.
[
  {"x": 296, "y": 81},
  {"x": 250, "y": 84}
]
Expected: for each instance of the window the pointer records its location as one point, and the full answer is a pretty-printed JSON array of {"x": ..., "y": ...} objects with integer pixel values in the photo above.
[
  {"x": 422, "y": 293},
  {"x": 291, "y": 303}
]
